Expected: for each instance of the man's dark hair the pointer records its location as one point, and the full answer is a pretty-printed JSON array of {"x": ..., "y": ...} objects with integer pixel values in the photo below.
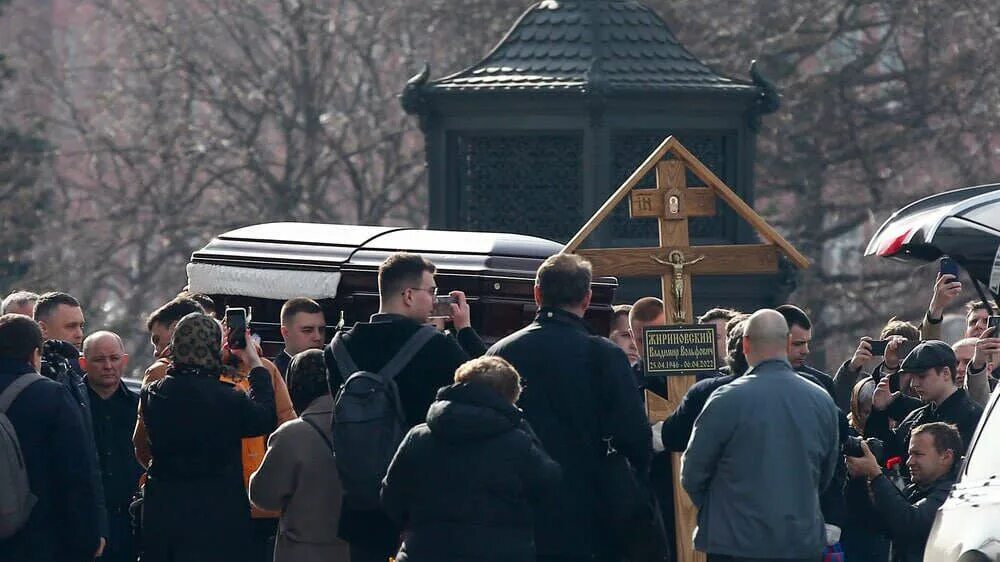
[
  {"x": 20, "y": 336},
  {"x": 564, "y": 280},
  {"x": 735, "y": 358},
  {"x": 402, "y": 271},
  {"x": 49, "y": 302},
  {"x": 979, "y": 305},
  {"x": 206, "y": 302},
  {"x": 173, "y": 311},
  {"x": 895, "y": 327},
  {"x": 297, "y": 305},
  {"x": 795, "y": 316},
  {"x": 946, "y": 437},
  {"x": 726, "y": 314}
]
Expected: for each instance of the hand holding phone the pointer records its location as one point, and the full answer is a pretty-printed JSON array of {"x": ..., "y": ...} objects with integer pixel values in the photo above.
[
  {"x": 442, "y": 306},
  {"x": 949, "y": 267},
  {"x": 237, "y": 322},
  {"x": 878, "y": 347}
]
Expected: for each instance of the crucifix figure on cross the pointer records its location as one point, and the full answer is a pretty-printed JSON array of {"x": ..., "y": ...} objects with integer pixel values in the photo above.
[
  {"x": 672, "y": 202},
  {"x": 676, "y": 261}
]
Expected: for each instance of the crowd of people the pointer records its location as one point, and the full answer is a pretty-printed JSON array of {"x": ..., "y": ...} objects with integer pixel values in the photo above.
[{"x": 403, "y": 439}]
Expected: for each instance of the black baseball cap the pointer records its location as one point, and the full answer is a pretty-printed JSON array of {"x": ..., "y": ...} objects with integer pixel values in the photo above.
[{"x": 928, "y": 354}]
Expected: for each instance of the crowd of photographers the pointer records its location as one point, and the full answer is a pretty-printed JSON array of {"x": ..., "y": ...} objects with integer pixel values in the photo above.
[{"x": 401, "y": 438}]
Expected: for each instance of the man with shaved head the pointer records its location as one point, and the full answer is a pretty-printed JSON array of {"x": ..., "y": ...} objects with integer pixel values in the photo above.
[
  {"x": 763, "y": 449},
  {"x": 113, "y": 413}
]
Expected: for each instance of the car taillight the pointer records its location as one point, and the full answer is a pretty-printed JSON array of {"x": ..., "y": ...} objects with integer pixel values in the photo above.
[{"x": 892, "y": 245}]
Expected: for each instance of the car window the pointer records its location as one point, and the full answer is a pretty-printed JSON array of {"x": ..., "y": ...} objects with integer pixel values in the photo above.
[{"x": 984, "y": 459}]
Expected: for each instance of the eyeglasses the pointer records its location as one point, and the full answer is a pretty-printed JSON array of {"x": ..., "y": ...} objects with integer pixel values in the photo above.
[{"x": 433, "y": 291}]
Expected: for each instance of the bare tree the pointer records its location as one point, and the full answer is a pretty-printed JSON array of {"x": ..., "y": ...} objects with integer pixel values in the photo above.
[{"x": 884, "y": 101}]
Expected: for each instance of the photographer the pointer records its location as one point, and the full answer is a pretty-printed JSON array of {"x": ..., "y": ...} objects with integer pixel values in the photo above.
[
  {"x": 861, "y": 538},
  {"x": 932, "y": 365},
  {"x": 898, "y": 333},
  {"x": 934, "y": 454}
]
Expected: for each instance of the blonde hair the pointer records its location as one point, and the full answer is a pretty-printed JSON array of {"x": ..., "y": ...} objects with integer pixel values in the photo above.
[{"x": 495, "y": 373}]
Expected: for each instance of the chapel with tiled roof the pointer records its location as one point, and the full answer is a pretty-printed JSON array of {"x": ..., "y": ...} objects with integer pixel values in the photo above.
[{"x": 535, "y": 136}]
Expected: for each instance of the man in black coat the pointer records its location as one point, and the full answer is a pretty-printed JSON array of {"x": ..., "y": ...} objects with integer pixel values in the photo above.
[
  {"x": 113, "y": 410},
  {"x": 800, "y": 336},
  {"x": 406, "y": 300},
  {"x": 909, "y": 515},
  {"x": 61, "y": 319},
  {"x": 63, "y": 525},
  {"x": 932, "y": 365},
  {"x": 573, "y": 380}
]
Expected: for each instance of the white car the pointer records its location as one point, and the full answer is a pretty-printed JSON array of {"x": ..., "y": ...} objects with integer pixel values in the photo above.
[{"x": 967, "y": 527}]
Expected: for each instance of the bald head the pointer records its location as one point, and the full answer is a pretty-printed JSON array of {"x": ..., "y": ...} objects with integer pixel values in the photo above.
[
  {"x": 96, "y": 338},
  {"x": 765, "y": 336}
]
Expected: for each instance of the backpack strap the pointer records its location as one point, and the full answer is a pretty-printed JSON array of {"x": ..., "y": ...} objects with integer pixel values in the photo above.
[
  {"x": 326, "y": 438},
  {"x": 14, "y": 389},
  {"x": 345, "y": 364},
  {"x": 408, "y": 351}
]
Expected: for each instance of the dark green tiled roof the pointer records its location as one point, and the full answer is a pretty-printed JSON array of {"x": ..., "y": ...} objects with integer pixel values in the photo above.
[{"x": 583, "y": 45}]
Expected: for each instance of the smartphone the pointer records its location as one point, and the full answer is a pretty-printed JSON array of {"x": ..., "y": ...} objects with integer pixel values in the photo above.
[
  {"x": 442, "y": 306},
  {"x": 237, "y": 320},
  {"x": 878, "y": 347},
  {"x": 994, "y": 323},
  {"x": 949, "y": 267},
  {"x": 905, "y": 347}
]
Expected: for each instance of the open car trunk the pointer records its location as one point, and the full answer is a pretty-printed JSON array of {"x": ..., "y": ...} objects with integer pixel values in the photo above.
[{"x": 963, "y": 224}]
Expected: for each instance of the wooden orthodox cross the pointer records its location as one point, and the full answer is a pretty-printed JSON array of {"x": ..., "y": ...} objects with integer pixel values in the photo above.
[{"x": 676, "y": 261}]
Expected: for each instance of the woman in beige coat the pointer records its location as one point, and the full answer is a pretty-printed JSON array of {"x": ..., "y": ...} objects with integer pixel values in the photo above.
[{"x": 298, "y": 475}]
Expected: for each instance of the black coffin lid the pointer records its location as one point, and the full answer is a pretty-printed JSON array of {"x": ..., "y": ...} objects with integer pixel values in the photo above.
[
  {"x": 288, "y": 245},
  {"x": 334, "y": 247},
  {"x": 460, "y": 252}
]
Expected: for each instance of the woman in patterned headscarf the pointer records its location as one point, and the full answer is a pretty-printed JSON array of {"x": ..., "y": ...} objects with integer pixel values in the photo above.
[{"x": 195, "y": 505}]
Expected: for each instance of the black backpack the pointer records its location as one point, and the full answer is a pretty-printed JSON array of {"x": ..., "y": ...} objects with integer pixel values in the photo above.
[{"x": 368, "y": 420}]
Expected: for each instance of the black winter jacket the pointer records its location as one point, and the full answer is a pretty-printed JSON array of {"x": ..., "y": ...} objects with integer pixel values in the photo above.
[
  {"x": 464, "y": 484},
  {"x": 909, "y": 515},
  {"x": 572, "y": 379},
  {"x": 60, "y": 462},
  {"x": 957, "y": 409}
]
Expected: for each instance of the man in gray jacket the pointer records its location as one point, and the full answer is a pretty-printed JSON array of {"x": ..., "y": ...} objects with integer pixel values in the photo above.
[{"x": 761, "y": 452}]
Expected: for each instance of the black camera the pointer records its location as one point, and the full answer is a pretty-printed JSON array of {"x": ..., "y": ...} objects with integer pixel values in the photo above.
[{"x": 852, "y": 448}]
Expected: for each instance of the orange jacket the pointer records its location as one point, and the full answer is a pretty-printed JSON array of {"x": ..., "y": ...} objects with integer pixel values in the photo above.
[{"x": 253, "y": 447}]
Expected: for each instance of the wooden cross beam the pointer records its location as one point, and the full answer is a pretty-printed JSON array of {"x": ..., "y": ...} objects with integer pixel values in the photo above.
[{"x": 675, "y": 261}]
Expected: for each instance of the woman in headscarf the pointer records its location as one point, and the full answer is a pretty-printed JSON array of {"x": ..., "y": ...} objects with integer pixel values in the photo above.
[
  {"x": 195, "y": 505},
  {"x": 298, "y": 476}
]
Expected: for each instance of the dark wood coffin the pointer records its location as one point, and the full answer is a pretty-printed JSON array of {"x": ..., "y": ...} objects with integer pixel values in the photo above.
[{"x": 263, "y": 265}]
